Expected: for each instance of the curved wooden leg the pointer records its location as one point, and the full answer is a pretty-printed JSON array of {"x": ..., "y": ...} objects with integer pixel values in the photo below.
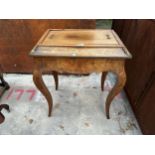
[
  {"x": 37, "y": 78},
  {"x": 121, "y": 79},
  {"x": 103, "y": 76},
  {"x": 56, "y": 80}
]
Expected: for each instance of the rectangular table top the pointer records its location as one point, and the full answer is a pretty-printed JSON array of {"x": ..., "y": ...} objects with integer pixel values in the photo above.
[{"x": 80, "y": 43}]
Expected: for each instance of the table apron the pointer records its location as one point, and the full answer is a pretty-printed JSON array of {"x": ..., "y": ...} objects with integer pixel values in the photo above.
[{"x": 78, "y": 65}]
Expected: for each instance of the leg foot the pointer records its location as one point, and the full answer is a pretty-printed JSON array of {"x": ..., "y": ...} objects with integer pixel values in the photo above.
[{"x": 107, "y": 115}]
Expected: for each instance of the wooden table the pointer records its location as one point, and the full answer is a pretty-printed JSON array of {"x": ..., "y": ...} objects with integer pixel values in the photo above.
[{"x": 79, "y": 51}]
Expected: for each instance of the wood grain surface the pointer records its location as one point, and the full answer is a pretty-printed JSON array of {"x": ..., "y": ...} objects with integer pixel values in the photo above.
[
  {"x": 80, "y": 43},
  {"x": 74, "y": 37},
  {"x": 139, "y": 37},
  {"x": 62, "y": 55}
]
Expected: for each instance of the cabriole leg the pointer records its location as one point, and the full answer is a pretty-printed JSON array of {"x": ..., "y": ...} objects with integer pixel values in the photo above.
[
  {"x": 121, "y": 79},
  {"x": 37, "y": 78}
]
